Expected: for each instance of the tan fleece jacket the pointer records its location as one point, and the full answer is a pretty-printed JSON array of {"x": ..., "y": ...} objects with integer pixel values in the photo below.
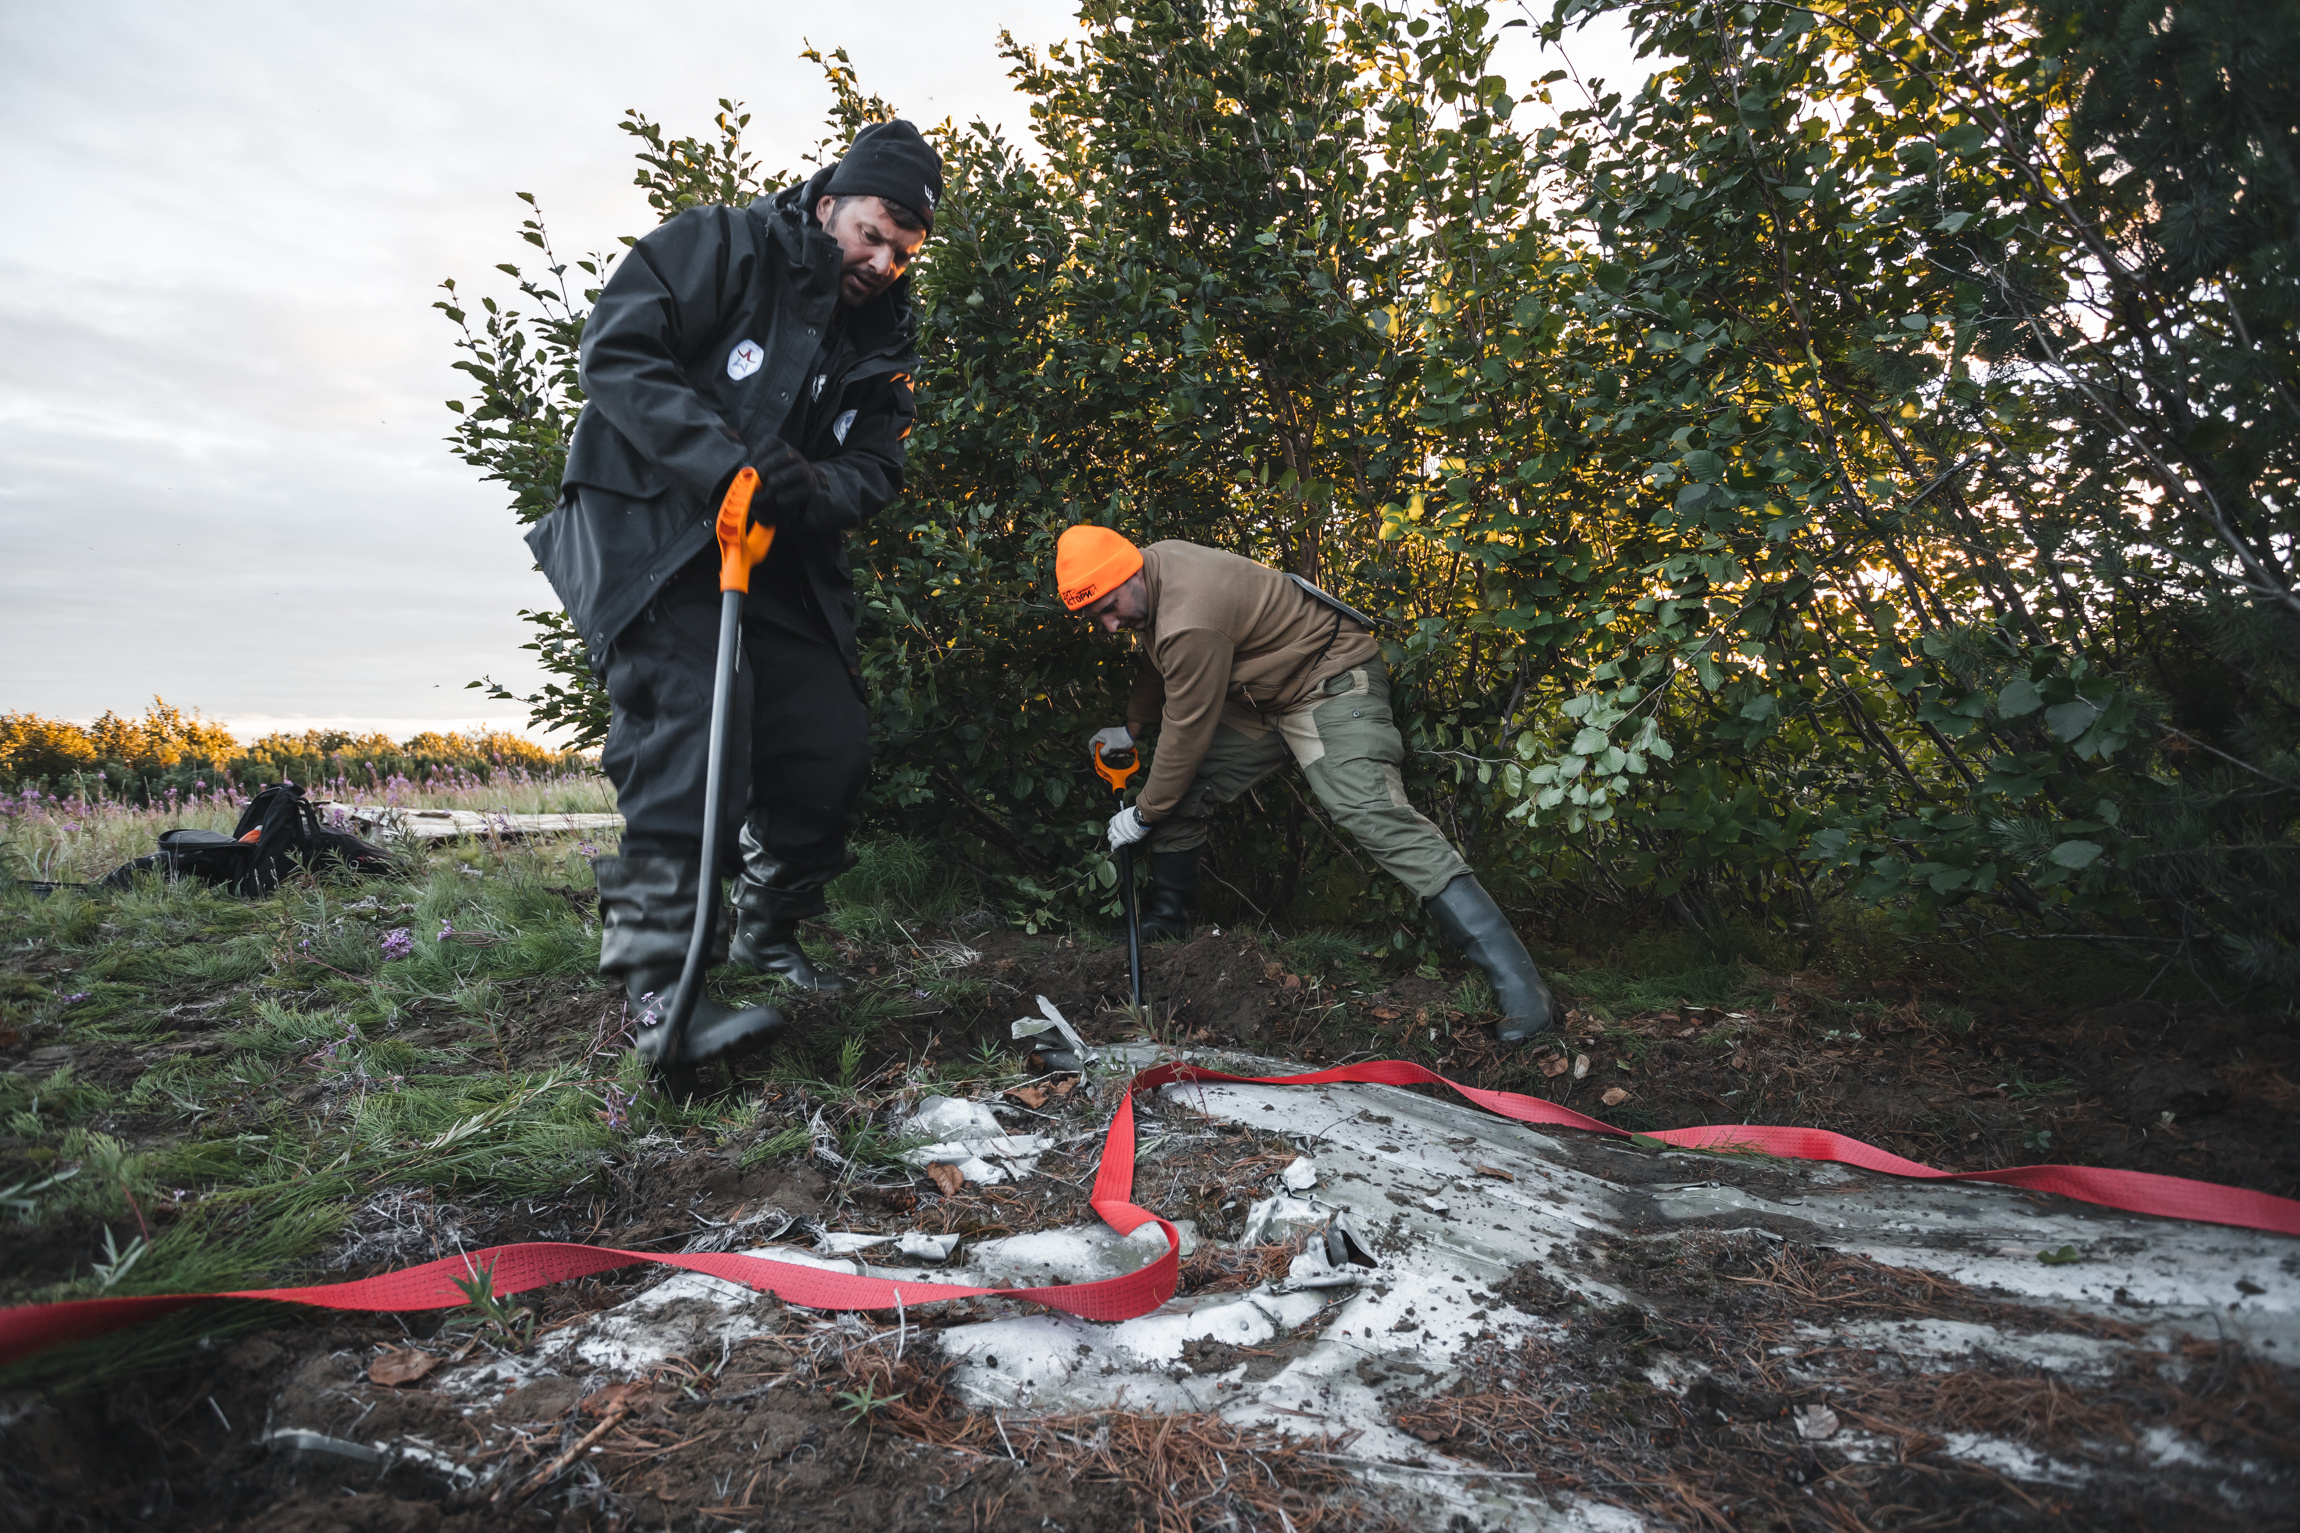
[{"x": 1228, "y": 640}]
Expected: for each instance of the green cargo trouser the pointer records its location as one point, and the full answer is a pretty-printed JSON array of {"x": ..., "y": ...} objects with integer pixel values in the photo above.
[{"x": 1349, "y": 749}]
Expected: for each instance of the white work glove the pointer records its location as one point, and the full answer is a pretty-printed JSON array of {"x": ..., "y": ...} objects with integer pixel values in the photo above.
[
  {"x": 1127, "y": 827},
  {"x": 1112, "y": 740}
]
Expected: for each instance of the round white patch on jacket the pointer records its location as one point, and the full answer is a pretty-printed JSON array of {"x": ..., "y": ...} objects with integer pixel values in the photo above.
[{"x": 744, "y": 360}]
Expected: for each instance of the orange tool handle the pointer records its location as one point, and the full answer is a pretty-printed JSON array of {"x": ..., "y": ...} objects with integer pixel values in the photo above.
[
  {"x": 741, "y": 545},
  {"x": 1112, "y": 775}
]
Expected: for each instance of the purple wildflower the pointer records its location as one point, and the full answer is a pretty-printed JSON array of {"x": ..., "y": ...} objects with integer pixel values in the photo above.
[
  {"x": 76, "y": 997},
  {"x": 398, "y": 943},
  {"x": 616, "y": 1116}
]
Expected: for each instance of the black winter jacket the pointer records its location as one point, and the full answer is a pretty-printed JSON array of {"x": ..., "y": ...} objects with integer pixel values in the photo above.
[{"x": 697, "y": 360}]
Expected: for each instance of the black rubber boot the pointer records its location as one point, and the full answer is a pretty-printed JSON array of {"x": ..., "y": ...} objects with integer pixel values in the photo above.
[
  {"x": 1472, "y": 922},
  {"x": 647, "y": 910},
  {"x": 773, "y": 948},
  {"x": 771, "y": 898},
  {"x": 714, "y": 1032},
  {"x": 1173, "y": 881}
]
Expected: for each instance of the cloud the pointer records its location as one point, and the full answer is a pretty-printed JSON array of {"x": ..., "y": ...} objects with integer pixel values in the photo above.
[{"x": 220, "y": 374}]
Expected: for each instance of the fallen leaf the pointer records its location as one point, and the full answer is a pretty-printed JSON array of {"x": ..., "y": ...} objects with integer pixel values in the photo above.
[
  {"x": 400, "y": 1365},
  {"x": 946, "y": 1177},
  {"x": 1689, "y": 1032},
  {"x": 1580, "y": 1067},
  {"x": 1387, "y": 1013},
  {"x": 1063, "y": 1087},
  {"x": 1740, "y": 1061},
  {"x": 1816, "y": 1423},
  {"x": 1421, "y": 1016},
  {"x": 1293, "y": 982},
  {"x": 1615, "y": 1096},
  {"x": 1028, "y": 1096},
  {"x": 1553, "y": 1068},
  {"x": 1496, "y": 1171}
]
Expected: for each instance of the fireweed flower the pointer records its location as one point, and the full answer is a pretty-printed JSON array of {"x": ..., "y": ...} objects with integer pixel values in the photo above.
[{"x": 616, "y": 1102}]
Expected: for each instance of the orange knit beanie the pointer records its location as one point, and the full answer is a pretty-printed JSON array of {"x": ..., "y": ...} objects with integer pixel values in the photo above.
[{"x": 1090, "y": 562}]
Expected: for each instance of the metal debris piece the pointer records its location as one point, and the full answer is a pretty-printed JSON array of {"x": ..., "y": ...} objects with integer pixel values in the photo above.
[
  {"x": 297, "y": 1440},
  {"x": 390, "y": 823},
  {"x": 1282, "y": 1216},
  {"x": 952, "y": 1118},
  {"x": 1315, "y": 1269},
  {"x": 928, "y": 1248},
  {"x": 1057, "y": 1044},
  {"x": 970, "y": 1139},
  {"x": 1343, "y": 1247},
  {"x": 916, "y": 1246}
]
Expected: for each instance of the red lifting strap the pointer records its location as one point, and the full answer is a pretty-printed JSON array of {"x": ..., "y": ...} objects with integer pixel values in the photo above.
[{"x": 517, "y": 1268}]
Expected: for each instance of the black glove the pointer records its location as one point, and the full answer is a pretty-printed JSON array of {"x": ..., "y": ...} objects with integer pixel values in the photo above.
[{"x": 791, "y": 485}]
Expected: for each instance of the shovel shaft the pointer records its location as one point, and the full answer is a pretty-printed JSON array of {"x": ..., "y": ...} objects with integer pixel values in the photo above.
[
  {"x": 1133, "y": 923},
  {"x": 714, "y": 784},
  {"x": 741, "y": 546}
]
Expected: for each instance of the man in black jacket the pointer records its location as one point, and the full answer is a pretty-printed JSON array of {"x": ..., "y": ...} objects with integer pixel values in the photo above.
[{"x": 779, "y": 336}]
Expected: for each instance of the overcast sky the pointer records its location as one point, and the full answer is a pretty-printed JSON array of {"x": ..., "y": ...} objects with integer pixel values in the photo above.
[{"x": 222, "y": 478}]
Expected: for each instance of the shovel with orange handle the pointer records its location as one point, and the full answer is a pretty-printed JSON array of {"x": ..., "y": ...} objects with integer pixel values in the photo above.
[
  {"x": 741, "y": 546},
  {"x": 1116, "y": 777}
]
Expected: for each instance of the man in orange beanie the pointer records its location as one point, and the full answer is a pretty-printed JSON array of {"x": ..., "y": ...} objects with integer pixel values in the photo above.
[{"x": 1245, "y": 667}]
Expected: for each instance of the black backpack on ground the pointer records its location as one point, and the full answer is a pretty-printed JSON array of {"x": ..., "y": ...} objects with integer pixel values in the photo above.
[{"x": 278, "y": 832}]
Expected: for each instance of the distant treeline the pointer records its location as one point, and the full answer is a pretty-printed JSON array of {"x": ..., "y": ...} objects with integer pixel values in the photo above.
[{"x": 167, "y": 747}]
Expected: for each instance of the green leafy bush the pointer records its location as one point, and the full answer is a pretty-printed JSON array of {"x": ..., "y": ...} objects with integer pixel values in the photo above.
[{"x": 1856, "y": 461}]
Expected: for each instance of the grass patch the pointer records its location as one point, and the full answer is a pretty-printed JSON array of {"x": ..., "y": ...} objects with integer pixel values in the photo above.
[
  {"x": 1611, "y": 993},
  {"x": 1328, "y": 957},
  {"x": 896, "y": 885}
]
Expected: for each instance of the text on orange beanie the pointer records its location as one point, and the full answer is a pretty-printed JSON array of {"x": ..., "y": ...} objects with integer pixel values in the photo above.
[{"x": 1091, "y": 562}]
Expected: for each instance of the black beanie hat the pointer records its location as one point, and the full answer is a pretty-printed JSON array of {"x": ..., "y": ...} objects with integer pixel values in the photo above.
[{"x": 891, "y": 160}]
